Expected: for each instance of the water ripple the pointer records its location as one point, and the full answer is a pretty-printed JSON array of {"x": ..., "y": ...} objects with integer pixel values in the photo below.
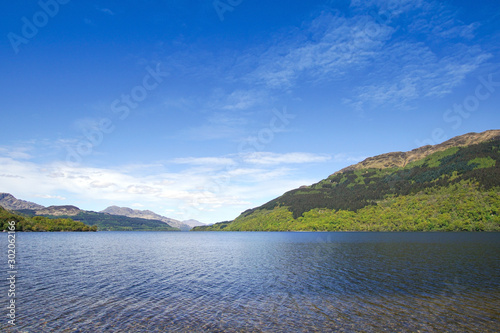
[{"x": 257, "y": 282}]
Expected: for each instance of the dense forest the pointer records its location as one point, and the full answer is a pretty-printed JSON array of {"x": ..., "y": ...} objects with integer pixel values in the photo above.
[
  {"x": 41, "y": 223},
  {"x": 457, "y": 189}
]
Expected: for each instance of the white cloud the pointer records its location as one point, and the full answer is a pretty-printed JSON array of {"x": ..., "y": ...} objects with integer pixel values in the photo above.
[
  {"x": 204, "y": 161},
  {"x": 143, "y": 189},
  {"x": 416, "y": 72},
  {"x": 204, "y": 187},
  {"x": 101, "y": 184},
  {"x": 434, "y": 55},
  {"x": 241, "y": 100},
  {"x": 224, "y": 114},
  {"x": 106, "y": 11},
  {"x": 4, "y": 175},
  {"x": 19, "y": 152},
  {"x": 344, "y": 157},
  {"x": 47, "y": 196},
  {"x": 392, "y": 7},
  {"x": 268, "y": 158},
  {"x": 330, "y": 46}
]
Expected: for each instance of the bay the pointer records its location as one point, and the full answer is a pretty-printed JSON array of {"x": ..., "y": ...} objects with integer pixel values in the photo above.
[{"x": 254, "y": 282}]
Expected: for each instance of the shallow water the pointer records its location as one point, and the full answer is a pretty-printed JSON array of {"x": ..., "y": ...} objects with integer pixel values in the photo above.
[{"x": 255, "y": 282}]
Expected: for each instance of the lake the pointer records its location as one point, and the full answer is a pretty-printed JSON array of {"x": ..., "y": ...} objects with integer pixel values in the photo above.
[{"x": 254, "y": 282}]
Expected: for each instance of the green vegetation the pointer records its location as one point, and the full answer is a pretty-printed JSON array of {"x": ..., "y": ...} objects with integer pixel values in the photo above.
[
  {"x": 453, "y": 190},
  {"x": 110, "y": 222},
  {"x": 433, "y": 160},
  {"x": 483, "y": 162},
  {"x": 458, "y": 207},
  {"x": 214, "y": 227},
  {"x": 41, "y": 223}
]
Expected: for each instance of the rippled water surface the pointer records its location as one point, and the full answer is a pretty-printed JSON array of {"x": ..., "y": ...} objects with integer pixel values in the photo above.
[{"x": 255, "y": 282}]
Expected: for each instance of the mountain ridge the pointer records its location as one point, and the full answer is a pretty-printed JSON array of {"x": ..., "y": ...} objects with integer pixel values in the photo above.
[
  {"x": 104, "y": 221},
  {"x": 9, "y": 202},
  {"x": 401, "y": 159},
  {"x": 149, "y": 215},
  {"x": 375, "y": 193},
  {"x": 65, "y": 210}
]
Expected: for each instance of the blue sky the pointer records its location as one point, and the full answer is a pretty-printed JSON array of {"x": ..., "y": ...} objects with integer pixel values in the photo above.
[{"x": 203, "y": 109}]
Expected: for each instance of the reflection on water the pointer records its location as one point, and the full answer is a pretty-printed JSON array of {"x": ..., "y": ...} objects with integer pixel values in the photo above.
[{"x": 256, "y": 282}]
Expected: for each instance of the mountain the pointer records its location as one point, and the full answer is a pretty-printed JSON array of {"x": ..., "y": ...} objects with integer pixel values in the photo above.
[
  {"x": 401, "y": 159},
  {"x": 193, "y": 223},
  {"x": 44, "y": 218},
  {"x": 110, "y": 222},
  {"x": 112, "y": 218},
  {"x": 8, "y": 201},
  {"x": 146, "y": 214},
  {"x": 452, "y": 186},
  {"x": 103, "y": 221},
  {"x": 59, "y": 211}
]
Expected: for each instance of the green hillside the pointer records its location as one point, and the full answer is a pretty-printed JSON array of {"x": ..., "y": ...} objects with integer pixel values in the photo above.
[
  {"x": 109, "y": 222},
  {"x": 122, "y": 223},
  {"x": 41, "y": 223},
  {"x": 456, "y": 189}
]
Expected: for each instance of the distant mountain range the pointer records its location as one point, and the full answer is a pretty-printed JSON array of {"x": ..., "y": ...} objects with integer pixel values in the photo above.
[
  {"x": 112, "y": 218},
  {"x": 452, "y": 186},
  {"x": 149, "y": 215}
]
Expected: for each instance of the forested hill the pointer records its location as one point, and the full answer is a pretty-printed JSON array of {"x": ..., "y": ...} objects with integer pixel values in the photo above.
[
  {"x": 40, "y": 223},
  {"x": 454, "y": 186}
]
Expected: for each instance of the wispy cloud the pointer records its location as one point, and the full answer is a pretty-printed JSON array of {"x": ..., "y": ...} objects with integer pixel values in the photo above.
[
  {"x": 268, "y": 158},
  {"x": 19, "y": 152},
  {"x": 101, "y": 184},
  {"x": 348, "y": 158},
  {"x": 106, "y": 11},
  {"x": 417, "y": 73},
  {"x": 47, "y": 196},
  {"x": 240, "y": 100},
  {"x": 204, "y": 161},
  {"x": 437, "y": 20},
  {"x": 331, "y": 45},
  {"x": 394, "y": 7},
  {"x": 390, "y": 70},
  {"x": 216, "y": 185},
  {"x": 222, "y": 115}
]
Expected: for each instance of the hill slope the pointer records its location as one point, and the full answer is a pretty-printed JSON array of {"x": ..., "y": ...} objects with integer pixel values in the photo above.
[
  {"x": 40, "y": 223},
  {"x": 452, "y": 186},
  {"x": 103, "y": 221},
  {"x": 145, "y": 214}
]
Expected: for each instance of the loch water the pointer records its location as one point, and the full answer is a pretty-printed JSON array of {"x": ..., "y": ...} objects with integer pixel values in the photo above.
[{"x": 254, "y": 282}]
